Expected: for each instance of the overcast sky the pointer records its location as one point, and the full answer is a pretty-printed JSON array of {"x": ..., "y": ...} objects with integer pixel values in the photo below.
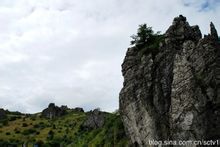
[{"x": 70, "y": 51}]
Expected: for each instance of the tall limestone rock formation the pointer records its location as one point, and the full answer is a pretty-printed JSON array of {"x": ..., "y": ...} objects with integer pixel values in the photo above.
[{"x": 174, "y": 94}]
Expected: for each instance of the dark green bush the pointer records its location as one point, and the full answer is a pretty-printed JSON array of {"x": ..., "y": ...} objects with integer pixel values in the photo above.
[
  {"x": 40, "y": 125},
  {"x": 50, "y": 135},
  {"x": 24, "y": 124},
  {"x": 4, "y": 122},
  {"x": 147, "y": 40},
  {"x": 29, "y": 131},
  {"x": 8, "y": 133},
  {"x": 16, "y": 130},
  {"x": 12, "y": 118},
  {"x": 144, "y": 35},
  {"x": 33, "y": 118},
  {"x": 36, "y": 126},
  {"x": 14, "y": 113},
  {"x": 39, "y": 143}
]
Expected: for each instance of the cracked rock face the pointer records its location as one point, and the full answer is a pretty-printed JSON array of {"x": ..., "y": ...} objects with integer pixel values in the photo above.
[
  {"x": 95, "y": 119},
  {"x": 176, "y": 94}
]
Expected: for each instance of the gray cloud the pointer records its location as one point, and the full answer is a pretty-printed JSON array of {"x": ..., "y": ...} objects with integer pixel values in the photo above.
[{"x": 70, "y": 52}]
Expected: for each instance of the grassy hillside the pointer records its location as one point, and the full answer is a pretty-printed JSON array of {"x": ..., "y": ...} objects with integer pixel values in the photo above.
[{"x": 66, "y": 130}]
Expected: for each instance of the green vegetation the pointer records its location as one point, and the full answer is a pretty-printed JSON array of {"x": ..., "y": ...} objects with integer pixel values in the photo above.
[
  {"x": 145, "y": 35},
  {"x": 66, "y": 131},
  {"x": 147, "y": 40},
  {"x": 112, "y": 134}
]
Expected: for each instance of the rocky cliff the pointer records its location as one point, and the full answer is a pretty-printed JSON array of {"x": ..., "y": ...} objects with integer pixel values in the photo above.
[{"x": 175, "y": 93}]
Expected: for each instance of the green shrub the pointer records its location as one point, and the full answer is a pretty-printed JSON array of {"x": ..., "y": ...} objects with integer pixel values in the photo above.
[
  {"x": 12, "y": 118},
  {"x": 39, "y": 143},
  {"x": 147, "y": 40},
  {"x": 14, "y": 113},
  {"x": 54, "y": 126},
  {"x": 4, "y": 122},
  {"x": 144, "y": 35},
  {"x": 40, "y": 125},
  {"x": 8, "y": 133},
  {"x": 14, "y": 141},
  {"x": 24, "y": 124},
  {"x": 36, "y": 126},
  {"x": 50, "y": 135},
  {"x": 29, "y": 131},
  {"x": 33, "y": 118},
  {"x": 16, "y": 130}
]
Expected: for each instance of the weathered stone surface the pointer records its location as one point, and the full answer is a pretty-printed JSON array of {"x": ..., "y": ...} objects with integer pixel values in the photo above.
[
  {"x": 95, "y": 119},
  {"x": 2, "y": 114},
  {"x": 53, "y": 111},
  {"x": 176, "y": 94}
]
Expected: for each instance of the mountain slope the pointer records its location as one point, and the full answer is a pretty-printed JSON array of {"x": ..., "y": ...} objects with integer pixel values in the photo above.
[{"x": 66, "y": 130}]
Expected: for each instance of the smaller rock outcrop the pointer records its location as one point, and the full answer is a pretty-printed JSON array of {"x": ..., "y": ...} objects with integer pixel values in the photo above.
[
  {"x": 2, "y": 114},
  {"x": 53, "y": 111},
  {"x": 64, "y": 107},
  {"x": 78, "y": 109},
  {"x": 95, "y": 119}
]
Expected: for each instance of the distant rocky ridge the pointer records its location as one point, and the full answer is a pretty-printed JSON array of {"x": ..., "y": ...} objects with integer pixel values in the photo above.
[
  {"x": 54, "y": 111},
  {"x": 175, "y": 94},
  {"x": 61, "y": 126},
  {"x": 94, "y": 118}
]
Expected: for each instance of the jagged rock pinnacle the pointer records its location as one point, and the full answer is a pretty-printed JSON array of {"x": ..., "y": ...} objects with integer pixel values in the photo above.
[{"x": 213, "y": 31}]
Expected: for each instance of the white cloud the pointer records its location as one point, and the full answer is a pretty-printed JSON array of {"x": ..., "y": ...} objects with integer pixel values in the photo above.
[{"x": 70, "y": 52}]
